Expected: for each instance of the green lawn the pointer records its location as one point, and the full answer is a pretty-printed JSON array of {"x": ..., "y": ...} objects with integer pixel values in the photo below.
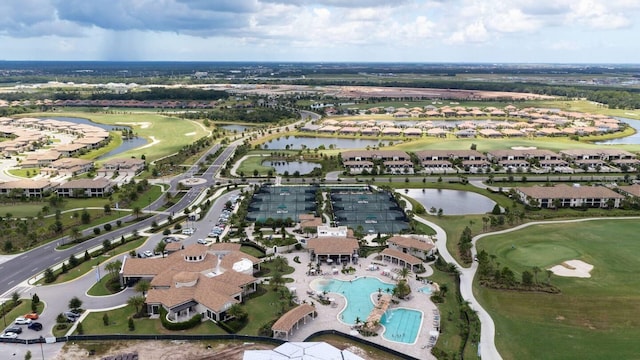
[
  {"x": 262, "y": 309},
  {"x": 118, "y": 324},
  {"x": 252, "y": 251},
  {"x": 100, "y": 288},
  {"x": 592, "y": 318},
  {"x": 87, "y": 266},
  {"x": 172, "y": 133},
  {"x": 25, "y": 173},
  {"x": 252, "y": 163},
  {"x": 20, "y": 310}
]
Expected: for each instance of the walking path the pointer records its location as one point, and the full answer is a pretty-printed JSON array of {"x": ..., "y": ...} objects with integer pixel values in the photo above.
[{"x": 487, "y": 346}]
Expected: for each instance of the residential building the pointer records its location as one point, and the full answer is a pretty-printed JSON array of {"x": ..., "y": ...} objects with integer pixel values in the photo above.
[
  {"x": 85, "y": 188},
  {"x": 28, "y": 188},
  {"x": 569, "y": 196}
]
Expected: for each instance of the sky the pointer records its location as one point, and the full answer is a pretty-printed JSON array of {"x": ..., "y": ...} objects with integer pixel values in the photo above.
[{"x": 516, "y": 31}]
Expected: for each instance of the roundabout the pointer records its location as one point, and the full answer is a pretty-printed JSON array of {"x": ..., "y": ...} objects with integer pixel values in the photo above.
[{"x": 193, "y": 181}]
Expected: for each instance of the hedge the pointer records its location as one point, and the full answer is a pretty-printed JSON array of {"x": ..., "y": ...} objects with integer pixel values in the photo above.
[{"x": 191, "y": 323}]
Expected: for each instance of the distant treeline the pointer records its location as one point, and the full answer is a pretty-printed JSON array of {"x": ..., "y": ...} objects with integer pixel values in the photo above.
[
  {"x": 251, "y": 115},
  {"x": 153, "y": 94}
]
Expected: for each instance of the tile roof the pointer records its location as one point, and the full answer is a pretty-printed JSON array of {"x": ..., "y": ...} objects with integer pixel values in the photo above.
[
  {"x": 291, "y": 317},
  {"x": 412, "y": 243},
  {"x": 563, "y": 191},
  {"x": 410, "y": 259},
  {"x": 333, "y": 245}
]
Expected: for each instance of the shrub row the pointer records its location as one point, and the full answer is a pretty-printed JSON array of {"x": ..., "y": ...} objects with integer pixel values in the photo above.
[{"x": 191, "y": 323}]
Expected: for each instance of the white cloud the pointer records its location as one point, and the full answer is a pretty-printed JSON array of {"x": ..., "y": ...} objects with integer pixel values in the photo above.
[{"x": 472, "y": 33}]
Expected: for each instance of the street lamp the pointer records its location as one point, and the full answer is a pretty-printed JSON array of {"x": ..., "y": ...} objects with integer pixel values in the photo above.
[{"x": 41, "y": 348}]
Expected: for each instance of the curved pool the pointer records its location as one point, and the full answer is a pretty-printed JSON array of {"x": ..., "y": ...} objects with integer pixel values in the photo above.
[{"x": 401, "y": 325}]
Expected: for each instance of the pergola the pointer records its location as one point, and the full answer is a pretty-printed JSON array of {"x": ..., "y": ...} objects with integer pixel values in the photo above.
[
  {"x": 284, "y": 326},
  {"x": 401, "y": 259}
]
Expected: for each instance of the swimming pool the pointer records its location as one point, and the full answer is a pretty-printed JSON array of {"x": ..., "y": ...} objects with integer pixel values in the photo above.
[
  {"x": 425, "y": 290},
  {"x": 401, "y": 325},
  {"x": 358, "y": 294}
]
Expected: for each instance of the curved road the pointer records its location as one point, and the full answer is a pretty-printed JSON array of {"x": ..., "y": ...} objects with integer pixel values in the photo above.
[{"x": 26, "y": 265}]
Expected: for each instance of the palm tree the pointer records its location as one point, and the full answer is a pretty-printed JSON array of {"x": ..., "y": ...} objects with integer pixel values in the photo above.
[
  {"x": 280, "y": 262},
  {"x": 143, "y": 286},
  {"x": 536, "y": 270},
  {"x": 137, "y": 211},
  {"x": 549, "y": 273},
  {"x": 113, "y": 267},
  {"x": 237, "y": 312},
  {"x": 404, "y": 273},
  {"x": 276, "y": 280},
  {"x": 136, "y": 301}
]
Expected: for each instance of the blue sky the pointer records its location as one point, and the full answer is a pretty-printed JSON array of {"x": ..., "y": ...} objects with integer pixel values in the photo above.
[{"x": 532, "y": 31}]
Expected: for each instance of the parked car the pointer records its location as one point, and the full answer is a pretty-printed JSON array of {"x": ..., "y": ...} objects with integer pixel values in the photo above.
[
  {"x": 9, "y": 335},
  {"x": 36, "y": 326},
  {"x": 22, "y": 321},
  {"x": 71, "y": 316},
  {"x": 14, "y": 329},
  {"x": 32, "y": 316},
  {"x": 148, "y": 253},
  {"x": 188, "y": 231},
  {"x": 202, "y": 241}
]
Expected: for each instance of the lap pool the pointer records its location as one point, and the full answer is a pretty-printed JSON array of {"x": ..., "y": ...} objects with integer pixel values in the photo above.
[{"x": 401, "y": 325}]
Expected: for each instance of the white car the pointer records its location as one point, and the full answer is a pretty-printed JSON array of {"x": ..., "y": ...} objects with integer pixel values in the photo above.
[
  {"x": 22, "y": 321},
  {"x": 202, "y": 241},
  {"x": 148, "y": 253},
  {"x": 188, "y": 231},
  {"x": 9, "y": 335}
]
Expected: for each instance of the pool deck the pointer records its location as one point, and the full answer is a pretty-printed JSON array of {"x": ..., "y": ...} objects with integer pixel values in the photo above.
[{"x": 328, "y": 316}]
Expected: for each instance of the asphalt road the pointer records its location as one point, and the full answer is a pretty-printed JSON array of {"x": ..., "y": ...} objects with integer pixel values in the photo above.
[{"x": 31, "y": 263}]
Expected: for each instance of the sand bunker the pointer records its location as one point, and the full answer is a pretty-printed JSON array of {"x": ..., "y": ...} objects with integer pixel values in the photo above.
[
  {"x": 141, "y": 124},
  {"x": 573, "y": 268},
  {"x": 190, "y": 134}
]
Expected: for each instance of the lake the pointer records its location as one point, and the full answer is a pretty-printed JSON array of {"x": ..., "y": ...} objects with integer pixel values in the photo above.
[
  {"x": 296, "y": 142},
  {"x": 631, "y": 139},
  {"x": 303, "y": 167},
  {"x": 236, "y": 128},
  {"x": 126, "y": 144},
  {"x": 452, "y": 202}
]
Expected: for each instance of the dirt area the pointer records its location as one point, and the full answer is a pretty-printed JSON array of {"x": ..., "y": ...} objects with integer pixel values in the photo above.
[
  {"x": 160, "y": 350},
  {"x": 373, "y": 92},
  {"x": 191, "y": 350}
]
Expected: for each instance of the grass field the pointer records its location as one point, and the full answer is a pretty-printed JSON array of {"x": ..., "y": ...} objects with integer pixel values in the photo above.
[
  {"x": 592, "y": 318},
  {"x": 118, "y": 324},
  {"x": 172, "y": 133}
]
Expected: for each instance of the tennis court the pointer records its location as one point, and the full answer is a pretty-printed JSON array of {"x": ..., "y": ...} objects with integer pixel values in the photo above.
[
  {"x": 282, "y": 202},
  {"x": 375, "y": 211}
]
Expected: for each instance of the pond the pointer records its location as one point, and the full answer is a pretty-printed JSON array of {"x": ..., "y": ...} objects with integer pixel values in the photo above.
[
  {"x": 452, "y": 202},
  {"x": 126, "y": 144},
  {"x": 631, "y": 139},
  {"x": 236, "y": 128},
  {"x": 303, "y": 167},
  {"x": 296, "y": 142}
]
